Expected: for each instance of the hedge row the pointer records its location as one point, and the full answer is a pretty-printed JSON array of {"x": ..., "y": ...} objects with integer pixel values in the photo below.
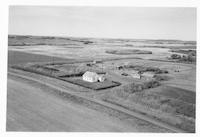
[{"x": 132, "y": 87}]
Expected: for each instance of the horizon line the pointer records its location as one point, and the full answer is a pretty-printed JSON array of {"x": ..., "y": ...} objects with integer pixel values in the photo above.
[{"x": 101, "y": 37}]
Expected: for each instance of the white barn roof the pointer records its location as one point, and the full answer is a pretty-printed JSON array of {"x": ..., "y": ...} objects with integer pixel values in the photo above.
[{"x": 90, "y": 76}]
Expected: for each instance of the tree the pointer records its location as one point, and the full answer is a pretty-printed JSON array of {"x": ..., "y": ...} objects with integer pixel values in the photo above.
[{"x": 175, "y": 56}]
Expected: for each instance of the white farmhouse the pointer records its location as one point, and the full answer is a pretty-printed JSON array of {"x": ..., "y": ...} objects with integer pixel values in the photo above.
[
  {"x": 90, "y": 76},
  {"x": 93, "y": 77}
]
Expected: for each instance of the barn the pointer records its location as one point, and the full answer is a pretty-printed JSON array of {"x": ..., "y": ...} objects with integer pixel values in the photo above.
[{"x": 90, "y": 76}]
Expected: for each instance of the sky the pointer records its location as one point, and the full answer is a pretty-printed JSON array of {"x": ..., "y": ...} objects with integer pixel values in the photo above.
[{"x": 104, "y": 22}]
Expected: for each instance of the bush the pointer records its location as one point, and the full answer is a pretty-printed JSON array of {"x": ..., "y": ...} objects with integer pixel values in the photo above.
[
  {"x": 151, "y": 84},
  {"x": 161, "y": 77},
  {"x": 188, "y": 58},
  {"x": 129, "y": 88},
  {"x": 132, "y": 87},
  {"x": 87, "y": 42},
  {"x": 175, "y": 56},
  {"x": 120, "y": 93},
  {"x": 191, "y": 58},
  {"x": 144, "y": 69}
]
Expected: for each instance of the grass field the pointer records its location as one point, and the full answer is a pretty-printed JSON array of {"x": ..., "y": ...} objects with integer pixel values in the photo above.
[
  {"x": 17, "y": 57},
  {"x": 128, "y": 52},
  {"x": 174, "y": 106},
  {"x": 173, "y": 102}
]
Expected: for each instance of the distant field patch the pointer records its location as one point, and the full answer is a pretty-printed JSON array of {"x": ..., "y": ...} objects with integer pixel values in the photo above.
[
  {"x": 17, "y": 57},
  {"x": 128, "y": 52},
  {"x": 192, "y": 52},
  {"x": 177, "y": 93},
  {"x": 74, "y": 47}
]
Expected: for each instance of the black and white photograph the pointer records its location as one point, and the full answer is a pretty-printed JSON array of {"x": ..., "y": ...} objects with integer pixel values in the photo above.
[{"x": 101, "y": 69}]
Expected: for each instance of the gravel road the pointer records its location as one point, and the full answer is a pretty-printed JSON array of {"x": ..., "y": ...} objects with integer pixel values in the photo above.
[{"x": 31, "y": 109}]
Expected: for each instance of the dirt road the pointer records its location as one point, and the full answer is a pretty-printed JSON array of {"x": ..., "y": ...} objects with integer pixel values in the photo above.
[{"x": 30, "y": 109}]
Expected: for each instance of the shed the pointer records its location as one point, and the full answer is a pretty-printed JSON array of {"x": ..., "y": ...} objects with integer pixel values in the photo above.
[
  {"x": 101, "y": 78},
  {"x": 97, "y": 61},
  {"x": 136, "y": 75},
  {"x": 119, "y": 67},
  {"x": 148, "y": 75},
  {"x": 90, "y": 76}
]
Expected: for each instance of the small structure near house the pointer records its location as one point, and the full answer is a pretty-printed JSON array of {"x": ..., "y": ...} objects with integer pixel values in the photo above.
[
  {"x": 101, "y": 78},
  {"x": 90, "y": 76},
  {"x": 119, "y": 67},
  {"x": 135, "y": 74},
  {"x": 176, "y": 70},
  {"x": 148, "y": 75},
  {"x": 89, "y": 64},
  {"x": 97, "y": 61}
]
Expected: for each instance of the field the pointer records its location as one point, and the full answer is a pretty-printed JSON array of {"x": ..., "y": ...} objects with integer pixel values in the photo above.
[
  {"x": 169, "y": 96},
  {"x": 185, "y": 51},
  {"x": 175, "y": 108},
  {"x": 17, "y": 57},
  {"x": 93, "y": 48},
  {"x": 128, "y": 52}
]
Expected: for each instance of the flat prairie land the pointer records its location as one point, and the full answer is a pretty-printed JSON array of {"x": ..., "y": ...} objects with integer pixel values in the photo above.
[
  {"x": 93, "y": 48},
  {"x": 36, "y": 107}
]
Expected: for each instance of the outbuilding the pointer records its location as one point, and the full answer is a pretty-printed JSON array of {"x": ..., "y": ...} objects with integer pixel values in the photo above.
[
  {"x": 101, "y": 78},
  {"x": 97, "y": 61},
  {"x": 136, "y": 75},
  {"x": 148, "y": 75}
]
